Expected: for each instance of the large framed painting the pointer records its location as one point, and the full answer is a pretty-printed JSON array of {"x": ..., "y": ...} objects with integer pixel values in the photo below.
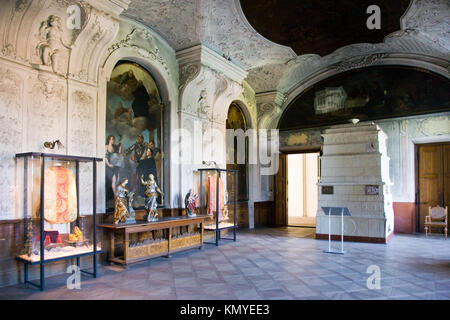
[
  {"x": 368, "y": 94},
  {"x": 134, "y": 132}
]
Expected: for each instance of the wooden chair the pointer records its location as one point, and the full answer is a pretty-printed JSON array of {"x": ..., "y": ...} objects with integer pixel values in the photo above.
[{"x": 437, "y": 217}]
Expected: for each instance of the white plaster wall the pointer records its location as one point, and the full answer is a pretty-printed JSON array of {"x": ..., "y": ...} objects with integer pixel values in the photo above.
[
  {"x": 402, "y": 134},
  {"x": 40, "y": 103}
]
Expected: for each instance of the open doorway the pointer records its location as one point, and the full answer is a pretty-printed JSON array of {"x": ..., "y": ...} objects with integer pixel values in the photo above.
[{"x": 302, "y": 190}]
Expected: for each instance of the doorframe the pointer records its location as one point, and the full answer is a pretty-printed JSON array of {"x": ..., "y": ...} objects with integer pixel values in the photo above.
[
  {"x": 299, "y": 151},
  {"x": 417, "y": 145}
]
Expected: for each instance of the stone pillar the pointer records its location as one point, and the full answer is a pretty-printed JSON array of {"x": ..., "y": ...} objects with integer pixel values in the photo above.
[
  {"x": 208, "y": 85},
  {"x": 355, "y": 174}
]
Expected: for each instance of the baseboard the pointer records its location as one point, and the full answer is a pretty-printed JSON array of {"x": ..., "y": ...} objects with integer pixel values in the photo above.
[{"x": 354, "y": 238}]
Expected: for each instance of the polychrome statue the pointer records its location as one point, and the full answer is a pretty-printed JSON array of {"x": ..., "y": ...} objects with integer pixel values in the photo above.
[
  {"x": 121, "y": 203},
  {"x": 190, "y": 201},
  {"x": 151, "y": 197}
]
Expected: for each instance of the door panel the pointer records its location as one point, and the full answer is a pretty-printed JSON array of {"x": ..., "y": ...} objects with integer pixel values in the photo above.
[
  {"x": 431, "y": 179},
  {"x": 281, "y": 192},
  {"x": 446, "y": 191}
]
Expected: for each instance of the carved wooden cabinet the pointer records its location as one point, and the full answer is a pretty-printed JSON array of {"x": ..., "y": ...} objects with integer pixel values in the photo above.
[{"x": 144, "y": 240}]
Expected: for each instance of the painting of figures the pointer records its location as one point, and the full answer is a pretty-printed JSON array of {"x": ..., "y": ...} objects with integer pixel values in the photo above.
[
  {"x": 372, "y": 93},
  {"x": 133, "y": 146}
]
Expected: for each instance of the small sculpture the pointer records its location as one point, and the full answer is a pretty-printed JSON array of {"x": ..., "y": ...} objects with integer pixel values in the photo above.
[
  {"x": 132, "y": 213},
  {"x": 224, "y": 213},
  {"x": 189, "y": 202},
  {"x": 77, "y": 235},
  {"x": 121, "y": 202},
  {"x": 28, "y": 247},
  {"x": 204, "y": 107},
  {"x": 151, "y": 195}
]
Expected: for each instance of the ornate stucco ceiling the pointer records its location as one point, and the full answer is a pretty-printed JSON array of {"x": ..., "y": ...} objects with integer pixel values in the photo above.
[{"x": 221, "y": 25}]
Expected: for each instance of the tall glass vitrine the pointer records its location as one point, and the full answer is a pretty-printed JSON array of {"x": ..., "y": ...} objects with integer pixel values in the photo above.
[
  {"x": 217, "y": 190},
  {"x": 58, "y": 197}
]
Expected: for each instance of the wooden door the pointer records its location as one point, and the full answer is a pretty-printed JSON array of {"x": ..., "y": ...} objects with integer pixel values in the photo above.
[
  {"x": 281, "y": 192},
  {"x": 446, "y": 175},
  {"x": 433, "y": 182}
]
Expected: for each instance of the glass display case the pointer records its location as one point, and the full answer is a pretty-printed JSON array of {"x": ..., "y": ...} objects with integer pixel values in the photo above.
[
  {"x": 217, "y": 191},
  {"x": 58, "y": 197}
]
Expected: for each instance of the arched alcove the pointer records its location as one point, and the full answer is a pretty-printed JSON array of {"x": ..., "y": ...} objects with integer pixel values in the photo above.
[
  {"x": 236, "y": 120},
  {"x": 134, "y": 129}
]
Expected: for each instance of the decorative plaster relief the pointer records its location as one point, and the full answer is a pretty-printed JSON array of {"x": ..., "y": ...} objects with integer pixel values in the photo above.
[
  {"x": 143, "y": 43},
  {"x": 430, "y": 16},
  {"x": 203, "y": 107},
  {"x": 90, "y": 46},
  {"x": 248, "y": 98},
  {"x": 53, "y": 49},
  {"x": 176, "y": 20},
  {"x": 46, "y": 111},
  {"x": 82, "y": 123},
  {"x": 266, "y": 78},
  {"x": 435, "y": 126},
  {"x": 218, "y": 24},
  {"x": 11, "y": 114},
  {"x": 360, "y": 62},
  {"x": 227, "y": 29}
]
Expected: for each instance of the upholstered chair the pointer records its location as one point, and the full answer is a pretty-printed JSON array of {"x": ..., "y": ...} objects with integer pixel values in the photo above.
[{"x": 437, "y": 217}]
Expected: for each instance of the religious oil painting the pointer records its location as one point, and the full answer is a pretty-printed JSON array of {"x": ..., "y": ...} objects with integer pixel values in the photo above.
[
  {"x": 368, "y": 94},
  {"x": 133, "y": 146}
]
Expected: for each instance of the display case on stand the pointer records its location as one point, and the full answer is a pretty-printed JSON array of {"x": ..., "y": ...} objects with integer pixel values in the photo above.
[
  {"x": 217, "y": 191},
  {"x": 58, "y": 225}
]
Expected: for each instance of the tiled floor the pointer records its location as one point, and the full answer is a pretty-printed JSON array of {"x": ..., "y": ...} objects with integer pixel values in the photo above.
[{"x": 283, "y": 263}]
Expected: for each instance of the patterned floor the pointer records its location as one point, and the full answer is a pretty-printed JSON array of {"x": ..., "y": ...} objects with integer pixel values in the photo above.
[{"x": 282, "y": 263}]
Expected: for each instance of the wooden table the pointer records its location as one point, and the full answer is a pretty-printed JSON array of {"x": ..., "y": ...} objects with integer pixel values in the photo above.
[{"x": 151, "y": 247}]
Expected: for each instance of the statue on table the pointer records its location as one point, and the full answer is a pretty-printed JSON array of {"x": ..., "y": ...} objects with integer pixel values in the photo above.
[
  {"x": 189, "y": 202},
  {"x": 131, "y": 209},
  {"x": 151, "y": 196},
  {"x": 121, "y": 212}
]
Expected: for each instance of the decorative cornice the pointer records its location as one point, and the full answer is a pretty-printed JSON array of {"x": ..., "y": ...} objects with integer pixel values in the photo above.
[
  {"x": 113, "y": 7},
  {"x": 203, "y": 55},
  {"x": 276, "y": 97},
  {"x": 360, "y": 62}
]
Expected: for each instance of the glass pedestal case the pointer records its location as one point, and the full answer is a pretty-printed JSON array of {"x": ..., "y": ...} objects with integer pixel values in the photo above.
[
  {"x": 59, "y": 218},
  {"x": 217, "y": 190}
]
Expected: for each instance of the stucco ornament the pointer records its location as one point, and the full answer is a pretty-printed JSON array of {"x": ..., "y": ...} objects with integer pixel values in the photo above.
[
  {"x": 203, "y": 108},
  {"x": 143, "y": 43},
  {"x": 435, "y": 126},
  {"x": 52, "y": 49}
]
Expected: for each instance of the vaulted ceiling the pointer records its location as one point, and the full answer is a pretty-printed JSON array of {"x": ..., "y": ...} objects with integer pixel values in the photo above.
[
  {"x": 281, "y": 42},
  {"x": 321, "y": 26}
]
